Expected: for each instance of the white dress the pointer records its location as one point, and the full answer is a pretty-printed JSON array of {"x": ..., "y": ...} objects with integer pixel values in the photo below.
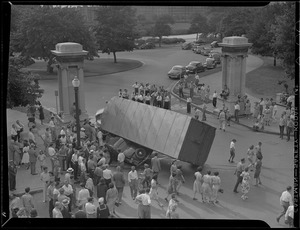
[
  {"x": 198, "y": 182},
  {"x": 25, "y": 158}
]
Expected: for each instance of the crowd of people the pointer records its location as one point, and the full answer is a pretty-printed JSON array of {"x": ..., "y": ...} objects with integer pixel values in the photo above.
[
  {"x": 89, "y": 165},
  {"x": 148, "y": 94}
]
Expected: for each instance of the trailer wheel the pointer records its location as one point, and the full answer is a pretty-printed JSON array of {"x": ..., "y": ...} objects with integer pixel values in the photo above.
[{"x": 140, "y": 153}]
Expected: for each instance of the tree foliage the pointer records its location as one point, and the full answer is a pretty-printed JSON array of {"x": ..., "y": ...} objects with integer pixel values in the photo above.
[
  {"x": 23, "y": 87},
  {"x": 284, "y": 38},
  {"x": 115, "y": 29},
  {"x": 44, "y": 26},
  {"x": 236, "y": 22},
  {"x": 260, "y": 33},
  {"x": 198, "y": 24},
  {"x": 162, "y": 26}
]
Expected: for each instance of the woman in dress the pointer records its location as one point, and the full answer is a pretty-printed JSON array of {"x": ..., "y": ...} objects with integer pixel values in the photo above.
[
  {"x": 216, "y": 183},
  {"x": 197, "y": 188},
  {"x": 204, "y": 112},
  {"x": 25, "y": 158},
  {"x": 206, "y": 187},
  {"x": 154, "y": 190},
  {"x": 267, "y": 115},
  {"x": 256, "y": 110},
  {"x": 111, "y": 198},
  {"x": 257, "y": 165},
  {"x": 250, "y": 155},
  {"x": 248, "y": 109},
  {"x": 245, "y": 183}
]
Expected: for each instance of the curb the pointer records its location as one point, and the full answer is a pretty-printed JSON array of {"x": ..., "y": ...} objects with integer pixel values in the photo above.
[
  {"x": 140, "y": 64},
  {"x": 32, "y": 191},
  {"x": 209, "y": 112}
]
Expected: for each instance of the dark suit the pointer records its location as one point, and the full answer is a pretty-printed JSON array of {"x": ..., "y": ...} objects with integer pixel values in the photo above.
[
  {"x": 32, "y": 159},
  {"x": 119, "y": 181}
]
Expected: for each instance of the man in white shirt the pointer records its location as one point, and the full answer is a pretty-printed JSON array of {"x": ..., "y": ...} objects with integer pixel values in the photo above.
[
  {"x": 45, "y": 178},
  {"x": 136, "y": 88},
  {"x": 236, "y": 111},
  {"x": 68, "y": 191},
  {"x": 133, "y": 182},
  {"x": 107, "y": 175},
  {"x": 289, "y": 216},
  {"x": 285, "y": 201},
  {"x": 144, "y": 206},
  {"x": 232, "y": 150},
  {"x": 83, "y": 195},
  {"x": 121, "y": 159},
  {"x": 51, "y": 153}
]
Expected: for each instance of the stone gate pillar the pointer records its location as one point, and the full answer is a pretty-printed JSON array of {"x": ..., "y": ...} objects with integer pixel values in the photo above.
[
  {"x": 70, "y": 58},
  {"x": 234, "y": 54}
]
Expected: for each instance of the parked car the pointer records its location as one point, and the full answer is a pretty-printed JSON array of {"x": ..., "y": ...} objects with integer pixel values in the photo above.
[
  {"x": 198, "y": 49},
  {"x": 214, "y": 44},
  {"x": 148, "y": 45},
  {"x": 194, "y": 66},
  {"x": 216, "y": 56},
  {"x": 205, "y": 51},
  {"x": 210, "y": 63},
  {"x": 177, "y": 72},
  {"x": 187, "y": 46}
]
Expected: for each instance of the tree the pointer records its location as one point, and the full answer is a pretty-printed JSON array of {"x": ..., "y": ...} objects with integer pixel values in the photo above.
[
  {"x": 162, "y": 27},
  {"x": 45, "y": 26},
  {"x": 23, "y": 87},
  {"x": 198, "y": 24},
  {"x": 261, "y": 34},
  {"x": 115, "y": 29},
  {"x": 284, "y": 38},
  {"x": 236, "y": 22}
]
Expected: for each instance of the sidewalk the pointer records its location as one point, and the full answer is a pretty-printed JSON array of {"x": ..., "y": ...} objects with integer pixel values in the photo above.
[
  {"x": 24, "y": 178},
  {"x": 215, "y": 83}
]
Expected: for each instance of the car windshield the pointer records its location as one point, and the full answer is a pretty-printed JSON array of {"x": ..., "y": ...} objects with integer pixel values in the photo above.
[
  {"x": 176, "y": 68},
  {"x": 193, "y": 63}
]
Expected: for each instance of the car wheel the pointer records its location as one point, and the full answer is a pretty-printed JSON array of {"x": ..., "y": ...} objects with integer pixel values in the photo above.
[{"x": 140, "y": 153}]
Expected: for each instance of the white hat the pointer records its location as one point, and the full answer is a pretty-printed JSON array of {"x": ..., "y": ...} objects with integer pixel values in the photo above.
[
  {"x": 82, "y": 129},
  {"x": 70, "y": 170},
  {"x": 101, "y": 200},
  {"x": 65, "y": 201}
]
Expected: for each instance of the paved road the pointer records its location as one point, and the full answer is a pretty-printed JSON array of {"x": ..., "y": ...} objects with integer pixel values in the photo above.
[
  {"x": 157, "y": 63},
  {"x": 277, "y": 170}
]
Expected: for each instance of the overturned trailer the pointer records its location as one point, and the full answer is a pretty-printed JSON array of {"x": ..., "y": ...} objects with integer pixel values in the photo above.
[{"x": 139, "y": 129}]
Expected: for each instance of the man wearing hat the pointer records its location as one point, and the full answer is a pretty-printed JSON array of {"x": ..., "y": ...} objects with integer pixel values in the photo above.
[
  {"x": 91, "y": 164},
  {"x": 74, "y": 164},
  {"x": 68, "y": 175},
  {"x": 83, "y": 194},
  {"x": 82, "y": 134},
  {"x": 121, "y": 159},
  {"x": 102, "y": 210},
  {"x": 32, "y": 158},
  {"x": 65, "y": 209},
  {"x": 107, "y": 175},
  {"x": 12, "y": 173},
  {"x": 119, "y": 181}
]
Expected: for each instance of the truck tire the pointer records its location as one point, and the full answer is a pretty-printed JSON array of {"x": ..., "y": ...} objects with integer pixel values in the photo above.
[{"x": 140, "y": 153}]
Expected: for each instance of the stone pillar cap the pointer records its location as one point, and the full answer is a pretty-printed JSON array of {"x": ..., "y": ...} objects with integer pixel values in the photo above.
[
  {"x": 69, "y": 49},
  {"x": 235, "y": 41}
]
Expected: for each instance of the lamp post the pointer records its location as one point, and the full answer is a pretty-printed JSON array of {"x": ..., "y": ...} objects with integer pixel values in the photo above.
[{"x": 76, "y": 84}]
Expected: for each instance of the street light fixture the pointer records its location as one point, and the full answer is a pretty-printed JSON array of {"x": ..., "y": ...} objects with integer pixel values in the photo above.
[{"x": 76, "y": 84}]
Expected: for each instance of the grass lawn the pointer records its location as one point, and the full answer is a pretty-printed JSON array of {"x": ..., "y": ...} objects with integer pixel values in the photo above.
[
  {"x": 97, "y": 67},
  {"x": 263, "y": 81}
]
